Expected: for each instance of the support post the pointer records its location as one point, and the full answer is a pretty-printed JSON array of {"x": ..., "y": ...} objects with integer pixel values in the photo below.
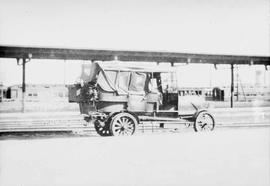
[
  {"x": 64, "y": 73},
  {"x": 23, "y": 82},
  {"x": 237, "y": 83},
  {"x": 232, "y": 84}
]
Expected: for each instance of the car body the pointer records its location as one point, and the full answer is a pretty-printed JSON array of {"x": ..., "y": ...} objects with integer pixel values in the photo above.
[{"x": 117, "y": 97}]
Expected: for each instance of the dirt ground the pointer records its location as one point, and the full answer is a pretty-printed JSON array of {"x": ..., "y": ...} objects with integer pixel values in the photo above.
[{"x": 223, "y": 157}]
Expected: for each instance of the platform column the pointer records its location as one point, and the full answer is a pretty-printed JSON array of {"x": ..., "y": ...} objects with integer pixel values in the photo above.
[
  {"x": 232, "y": 84},
  {"x": 23, "y": 83}
]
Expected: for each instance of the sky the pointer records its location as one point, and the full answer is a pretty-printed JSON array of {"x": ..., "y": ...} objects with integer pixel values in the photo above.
[{"x": 234, "y": 27}]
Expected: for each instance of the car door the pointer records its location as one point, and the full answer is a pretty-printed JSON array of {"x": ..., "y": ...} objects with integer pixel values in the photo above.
[{"x": 136, "y": 95}]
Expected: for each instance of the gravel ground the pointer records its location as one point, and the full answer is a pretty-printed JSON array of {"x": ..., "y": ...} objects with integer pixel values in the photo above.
[{"x": 223, "y": 157}]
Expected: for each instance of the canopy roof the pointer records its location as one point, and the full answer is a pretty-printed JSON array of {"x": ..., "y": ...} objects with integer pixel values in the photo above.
[{"x": 121, "y": 55}]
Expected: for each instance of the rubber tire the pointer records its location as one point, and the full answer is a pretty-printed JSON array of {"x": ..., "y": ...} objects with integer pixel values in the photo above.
[
  {"x": 105, "y": 131},
  {"x": 123, "y": 114}
]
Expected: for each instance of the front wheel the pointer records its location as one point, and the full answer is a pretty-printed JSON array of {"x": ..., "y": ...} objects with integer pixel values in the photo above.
[
  {"x": 123, "y": 124},
  {"x": 204, "y": 121}
]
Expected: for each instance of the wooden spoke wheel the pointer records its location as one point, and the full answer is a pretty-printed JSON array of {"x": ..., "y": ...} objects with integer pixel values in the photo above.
[
  {"x": 123, "y": 124},
  {"x": 204, "y": 121},
  {"x": 102, "y": 128}
]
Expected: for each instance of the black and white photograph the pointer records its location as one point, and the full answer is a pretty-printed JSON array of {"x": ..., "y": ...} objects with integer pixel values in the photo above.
[{"x": 134, "y": 93}]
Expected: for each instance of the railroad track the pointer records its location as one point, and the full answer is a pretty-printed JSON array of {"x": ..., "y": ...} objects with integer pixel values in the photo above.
[
  {"x": 73, "y": 121},
  {"x": 78, "y": 124}
]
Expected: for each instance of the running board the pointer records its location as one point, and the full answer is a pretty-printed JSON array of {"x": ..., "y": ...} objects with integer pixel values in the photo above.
[{"x": 155, "y": 118}]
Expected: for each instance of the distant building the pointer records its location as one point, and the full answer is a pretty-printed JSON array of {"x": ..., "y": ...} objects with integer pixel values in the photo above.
[
  {"x": 50, "y": 92},
  {"x": 37, "y": 93},
  {"x": 241, "y": 93}
]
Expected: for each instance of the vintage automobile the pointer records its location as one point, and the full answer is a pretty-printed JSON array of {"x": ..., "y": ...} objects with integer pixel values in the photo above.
[{"x": 117, "y": 98}]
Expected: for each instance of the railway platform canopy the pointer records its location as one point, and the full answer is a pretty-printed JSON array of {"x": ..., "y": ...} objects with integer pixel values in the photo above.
[{"x": 26, "y": 53}]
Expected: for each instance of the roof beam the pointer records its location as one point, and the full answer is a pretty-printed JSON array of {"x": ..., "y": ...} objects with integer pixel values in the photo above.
[{"x": 109, "y": 55}]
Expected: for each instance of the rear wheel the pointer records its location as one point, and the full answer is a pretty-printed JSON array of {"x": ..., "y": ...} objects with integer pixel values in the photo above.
[
  {"x": 102, "y": 128},
  {"x": 123, "y": 124},
  {"x": 204, "y": 121}
]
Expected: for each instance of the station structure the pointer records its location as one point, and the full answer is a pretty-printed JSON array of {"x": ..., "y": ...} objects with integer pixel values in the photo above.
[{"x": 24, "y": 54}]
